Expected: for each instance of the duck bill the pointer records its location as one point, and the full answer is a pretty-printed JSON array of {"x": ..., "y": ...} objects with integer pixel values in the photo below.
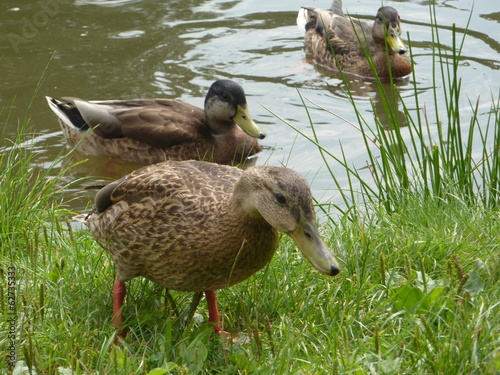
[
  {"x": 245, "y": 122},
  {"x": 394, "y": 41},
  {"x": 307, "y": 238}
]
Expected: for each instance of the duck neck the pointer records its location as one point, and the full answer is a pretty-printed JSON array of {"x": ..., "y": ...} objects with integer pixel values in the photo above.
[
  {"x": 219, "y": 128},
  {"x": 241, "y": 204},
  {"x": 217, "y": 118}
]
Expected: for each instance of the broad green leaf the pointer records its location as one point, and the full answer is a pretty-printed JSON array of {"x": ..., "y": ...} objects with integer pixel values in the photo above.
[{"x": 407, "y": 297}]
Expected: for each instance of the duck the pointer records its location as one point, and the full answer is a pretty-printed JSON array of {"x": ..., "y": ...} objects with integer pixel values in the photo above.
[
  {"x": 331, "y": 30},
  {"x": 196, "y": 226},
  {"x": 148, "y": 131}
]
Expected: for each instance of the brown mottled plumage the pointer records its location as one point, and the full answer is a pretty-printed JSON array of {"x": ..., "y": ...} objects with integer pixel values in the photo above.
[
  {"x": 197, "y": 226},
  {"x": 148, "y": 131},
  {"x": 382, "y": 40}
]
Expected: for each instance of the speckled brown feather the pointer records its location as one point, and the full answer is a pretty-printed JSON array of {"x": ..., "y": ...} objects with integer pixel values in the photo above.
[{"x": 178, "y": 225}]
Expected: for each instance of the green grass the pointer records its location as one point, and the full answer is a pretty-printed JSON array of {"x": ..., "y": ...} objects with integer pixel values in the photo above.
[{"x": 418, "y": 292}]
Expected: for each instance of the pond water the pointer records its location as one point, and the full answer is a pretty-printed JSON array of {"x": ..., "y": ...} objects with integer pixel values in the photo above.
[{"x": 122, "y": 49}]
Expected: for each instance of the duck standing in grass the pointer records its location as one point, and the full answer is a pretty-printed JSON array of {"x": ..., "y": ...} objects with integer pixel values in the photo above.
[
  {"x": 148, "y": 131},
  {"x": 351, "y": 40},
  {"x": 196, "y": 226}
]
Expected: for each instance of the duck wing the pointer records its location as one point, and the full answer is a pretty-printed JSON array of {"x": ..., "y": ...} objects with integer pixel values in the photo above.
[
  {"x": 189, "y": 180},
  {"x": 156, "y": 122},
  {"x": 343, "y": 32}
]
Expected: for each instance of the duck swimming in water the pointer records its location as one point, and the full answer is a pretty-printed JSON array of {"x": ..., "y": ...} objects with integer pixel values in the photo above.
[
  {"x": 342, "y": 43},
  {"x": 148, "y": 131}
]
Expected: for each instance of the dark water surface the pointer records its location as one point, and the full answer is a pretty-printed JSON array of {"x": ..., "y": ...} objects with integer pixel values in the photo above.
[{"x": 108, "y": 49}]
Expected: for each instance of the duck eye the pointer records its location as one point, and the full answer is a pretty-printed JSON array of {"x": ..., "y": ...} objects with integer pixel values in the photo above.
[
  {"x": 280, "y": 198},
  {"x": 224, "y": 96}
]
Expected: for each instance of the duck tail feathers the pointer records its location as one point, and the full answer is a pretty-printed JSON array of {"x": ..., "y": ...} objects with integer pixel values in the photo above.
[
  {"x": 336, "y": 7},
  {"x": 302, "y": 19},
  {"x": 67, "y": 113}
]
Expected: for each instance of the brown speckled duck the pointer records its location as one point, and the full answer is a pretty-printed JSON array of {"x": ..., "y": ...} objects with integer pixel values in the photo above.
[
  {"x": 382, "y": 40},
  {"x": 197, "y": 226},
  {"x": 147, "y": 131}
]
